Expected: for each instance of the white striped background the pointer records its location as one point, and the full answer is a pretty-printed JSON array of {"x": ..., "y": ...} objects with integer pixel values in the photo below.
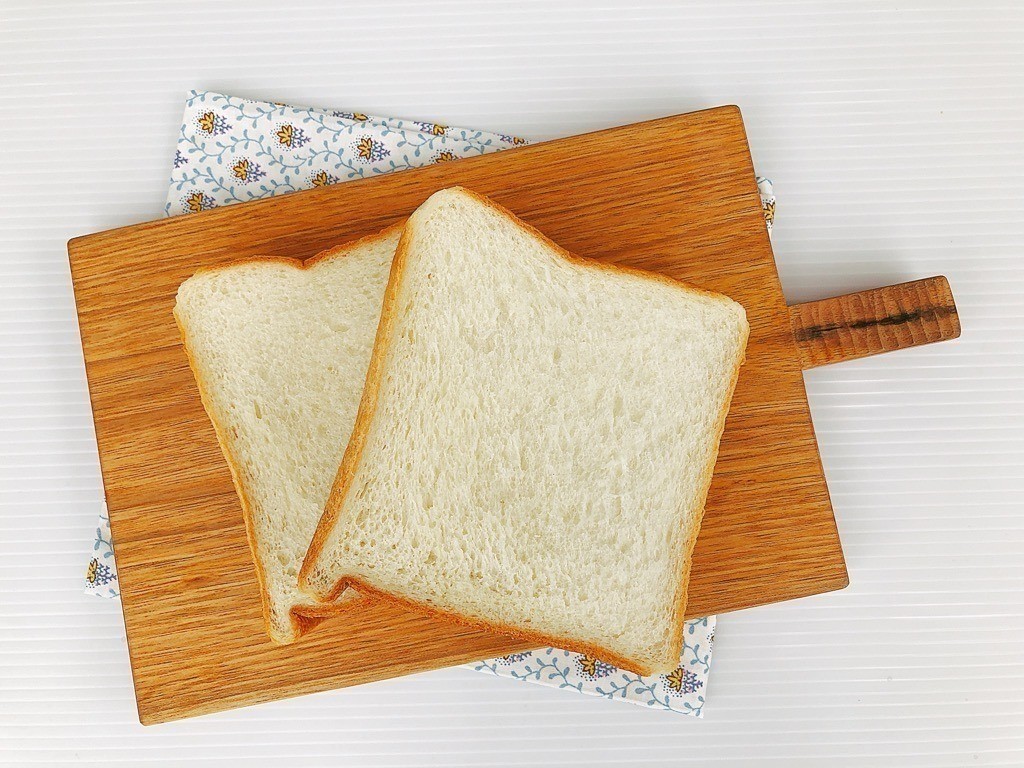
[{"x": 893, "y": 132}]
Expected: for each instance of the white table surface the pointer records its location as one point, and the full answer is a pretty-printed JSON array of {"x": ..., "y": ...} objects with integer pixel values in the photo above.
[{"x": 894, "y": 135}]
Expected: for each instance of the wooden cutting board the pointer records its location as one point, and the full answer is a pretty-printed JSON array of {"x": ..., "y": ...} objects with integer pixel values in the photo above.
[{"x": 675, "y": 195}]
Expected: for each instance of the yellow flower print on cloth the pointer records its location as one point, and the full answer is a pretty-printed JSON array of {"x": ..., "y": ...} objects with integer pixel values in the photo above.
[
  {"x": 247, "y": 171},
  {"x": 101, "y": 573},
  {"x": 291, "y": 136},
  {"x": 444, "y": 157},
  {"x": 369, "y": 149},
  {"x": 681, "y": 681},
  {"x": 767, "y": 192},
  {"x": 212, "y": 123},
  {"x": 198, "y": 201},
  {"x": 98, "y": 574},
  {"x": 436, "y": 129},
  {"x": 323, "y": 179},
  {"x": 593, "y": 669}
]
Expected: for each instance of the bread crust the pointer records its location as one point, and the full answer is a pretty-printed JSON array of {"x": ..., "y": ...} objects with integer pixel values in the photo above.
[
  {"x": 367, "y": 408},
  {"x": 303, "y": 618},
  {"x": 300, "y": 264},
  {"x": 706, "y": 478},
  {"x": 540, "y": 638}
]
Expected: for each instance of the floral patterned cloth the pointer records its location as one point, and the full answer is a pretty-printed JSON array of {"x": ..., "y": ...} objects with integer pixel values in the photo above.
[
  {"x": 682, "y": 690},
  {"x": 101, "y": 573},
  {"x": 233, "y": 150}
]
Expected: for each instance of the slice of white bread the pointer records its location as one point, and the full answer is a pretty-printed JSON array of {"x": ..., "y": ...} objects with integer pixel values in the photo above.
[
  {"x": 280, "y": 351},
  {"x": 535, "y": 441}
]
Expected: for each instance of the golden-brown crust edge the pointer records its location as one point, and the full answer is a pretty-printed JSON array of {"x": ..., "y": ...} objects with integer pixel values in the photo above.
[
  {"x": 367, "y": 407},
  {"x": 334, "y": 607},
  {"x": 706, "y": 478},
  {"x": 540, "y": 638},
  {"x": 337, "y": 251},
  {"x": 235, "y": 476},
  {"x": 303, "y": 617}
]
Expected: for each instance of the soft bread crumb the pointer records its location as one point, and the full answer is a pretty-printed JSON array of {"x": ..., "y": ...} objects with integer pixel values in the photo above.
[{"x": 537, "y": 452}]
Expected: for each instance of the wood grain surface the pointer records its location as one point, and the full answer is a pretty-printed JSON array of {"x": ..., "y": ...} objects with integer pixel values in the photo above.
[
  {"x": 875, "y": 321},
  {"x": 675, "y": 195}
]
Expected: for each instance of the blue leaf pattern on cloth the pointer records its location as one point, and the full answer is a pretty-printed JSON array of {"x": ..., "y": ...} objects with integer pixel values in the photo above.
[
  {"x": 100, "y": 573},
  {"x": 233, "y": 150}
]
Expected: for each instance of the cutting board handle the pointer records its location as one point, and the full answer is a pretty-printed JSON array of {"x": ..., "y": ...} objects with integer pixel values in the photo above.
[{"x": 871, "y": 322}]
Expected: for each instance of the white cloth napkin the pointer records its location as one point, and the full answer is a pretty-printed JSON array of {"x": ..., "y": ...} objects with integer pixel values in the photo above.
[{"x": 232, "y": 150}]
